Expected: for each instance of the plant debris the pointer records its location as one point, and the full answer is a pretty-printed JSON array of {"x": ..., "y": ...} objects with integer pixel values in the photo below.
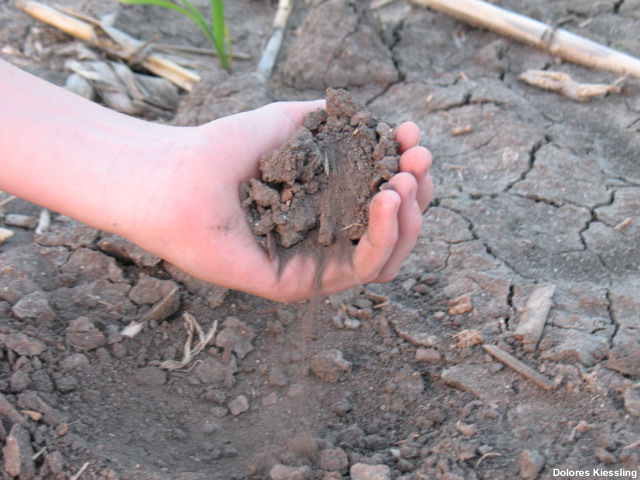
[{"x": 563, "y": 84}]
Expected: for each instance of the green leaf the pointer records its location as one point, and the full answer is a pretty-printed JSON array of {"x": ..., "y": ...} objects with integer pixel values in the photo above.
[
  {"x": 200, "y": 21},
  {"x": 220, "y": 31},
  {"x": 216, "y": 31}
]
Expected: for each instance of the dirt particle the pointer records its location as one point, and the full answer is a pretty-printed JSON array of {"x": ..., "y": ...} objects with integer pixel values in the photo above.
[
  {"x": 213, "y": 371},
  {"x": 18, "y": 454},
  {"x": 330, "y": 365},
  {"x": 604, "y": 456},
  {"x": 430, "y": 356},
  {"x": 22, "y": 345},
  {"x": 32, "y": 306},
  {"x": 468, "y": 338},
  {"x": 334, "y": 460},
  {"x": 468, "y": 430},
  {"x": 149, "y": 290},
  {"x": 19, "y": 381},
  {"x": 460, "y": 305},
  {"x": 75, "y": 361},
  {"x": 65, "y": 383},
  {"x": 235, "y": 335},
  {"x": 283, "y": 472},
  {"x": 82, "y": 334},
  {"x": 238, "y": 405},
  {"x": 151, "y": 376},
  {"x": 55, "y": 462},
  {"x": 631, "y": 399},
  {"x": 362, "y": 471},
  {"x": 531, "y": 462},
  {"x": 418, "y": 339}
]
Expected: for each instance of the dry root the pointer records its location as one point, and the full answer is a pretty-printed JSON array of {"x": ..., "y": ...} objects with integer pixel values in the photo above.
[{"x": 563, "y": 84}]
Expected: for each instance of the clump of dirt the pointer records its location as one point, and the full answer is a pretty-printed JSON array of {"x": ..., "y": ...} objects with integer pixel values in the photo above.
[{"x": 316, "y": 188}]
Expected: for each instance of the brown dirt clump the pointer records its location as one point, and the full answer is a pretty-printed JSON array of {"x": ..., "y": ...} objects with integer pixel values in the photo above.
[{"x": 316, "y": 188}]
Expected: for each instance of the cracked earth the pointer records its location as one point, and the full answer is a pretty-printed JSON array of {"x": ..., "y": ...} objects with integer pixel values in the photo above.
[{"x": 532, "y": 189}]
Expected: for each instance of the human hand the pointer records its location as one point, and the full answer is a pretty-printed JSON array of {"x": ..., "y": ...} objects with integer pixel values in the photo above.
[{"x": 199, "y": 225}]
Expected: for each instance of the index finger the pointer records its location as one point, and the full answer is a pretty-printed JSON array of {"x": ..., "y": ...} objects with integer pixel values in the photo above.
[{"x": 408, "y": 135}]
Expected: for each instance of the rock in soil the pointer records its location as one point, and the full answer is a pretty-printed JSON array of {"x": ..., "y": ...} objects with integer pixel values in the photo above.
[
  {"x": 282, "y": 472},
  {"x": 82, "y": 334},
  {"x": 316, "y": 188},
  {"x": 334, "y": 460},
  {"x": 531, "y": 462},
  {"x": 330, "y": 366},
  {"x": 18, "y": 454},
  {"x": 362, "y": 471},
  {"x": 631, "y": 399},
  {"x": 22, "y": 345},
  {"x": 238, "y": 405}
]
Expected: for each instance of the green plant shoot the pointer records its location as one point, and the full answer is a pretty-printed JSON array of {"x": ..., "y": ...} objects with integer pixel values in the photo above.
[{"x": 215, "y": 31}]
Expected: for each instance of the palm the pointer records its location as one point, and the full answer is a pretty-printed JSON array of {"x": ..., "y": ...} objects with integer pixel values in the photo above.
[{"x": 215, "y": 243}]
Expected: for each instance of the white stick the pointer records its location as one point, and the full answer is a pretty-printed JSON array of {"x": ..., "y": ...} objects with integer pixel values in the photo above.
[
  {"x": 271, "y": 49},
  {"x": 560, "y": 42},
  {"x": 532, "y": 322}
]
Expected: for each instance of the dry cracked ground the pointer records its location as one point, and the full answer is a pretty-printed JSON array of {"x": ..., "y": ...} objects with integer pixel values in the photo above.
[{"x": 534, "y": 192}]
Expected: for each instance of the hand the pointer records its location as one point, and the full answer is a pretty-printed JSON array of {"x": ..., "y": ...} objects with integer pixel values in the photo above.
[
  {"x": 175, "y": 191},
  {"x": 199, "y": 225}
]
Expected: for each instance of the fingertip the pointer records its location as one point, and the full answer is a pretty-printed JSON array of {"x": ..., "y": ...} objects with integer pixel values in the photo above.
[
  {"x": 406, "y": 185},
  {"x": 385, "y": 203},
  {"x": 416, "y": 160},
  {"x": 408, "y": 135}
]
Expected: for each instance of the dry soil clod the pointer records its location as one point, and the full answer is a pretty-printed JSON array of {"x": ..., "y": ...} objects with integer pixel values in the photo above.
[{"x": 315, "y": 189}]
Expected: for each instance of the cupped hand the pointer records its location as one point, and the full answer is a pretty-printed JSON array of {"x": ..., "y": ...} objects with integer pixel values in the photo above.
[{"x": 199, "y": 225}]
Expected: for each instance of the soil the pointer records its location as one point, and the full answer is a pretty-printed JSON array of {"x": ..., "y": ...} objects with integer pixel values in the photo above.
[
  {"x": 532, "y": 189},
  {"x": 315, "y": 189}
]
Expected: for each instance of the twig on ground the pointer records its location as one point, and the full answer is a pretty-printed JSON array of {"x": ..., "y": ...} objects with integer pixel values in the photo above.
[
  {"x": 632, "y": 445},
  {"x": 80, "y": 472},
  {"x": 271, "y": 49},
  {"x": 38, "y": 453},
  {"x": 563, "y": 84},
  {"x": 557, "y": 41},
  {"x": 520, "y": 367},
  {"x": 487, "y": 455},
  {"x": 7, "y": 200}
]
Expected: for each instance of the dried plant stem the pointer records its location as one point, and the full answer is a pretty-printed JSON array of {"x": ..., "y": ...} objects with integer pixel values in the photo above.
[
  {"x": 520, "y": 367},
  {"x": 563, "y": 84},
  {"x": 271, "y": 49},
  {"x": 10, "y": 198},
  {"x": 111, "y": 40},
  {"x": 557, "y": 41},
  {"x": 81, "y": 471}
]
